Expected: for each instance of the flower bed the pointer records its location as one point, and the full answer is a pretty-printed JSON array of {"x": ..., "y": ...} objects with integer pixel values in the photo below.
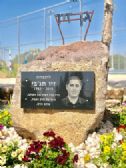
[{"x": 105, "y": 148}]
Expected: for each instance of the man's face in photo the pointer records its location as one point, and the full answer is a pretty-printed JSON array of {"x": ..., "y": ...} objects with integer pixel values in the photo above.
[{"x": 73, "y": 87}]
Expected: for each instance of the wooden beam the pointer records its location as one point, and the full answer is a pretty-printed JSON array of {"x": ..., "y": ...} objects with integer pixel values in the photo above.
[{"x": 107, "y": 29}]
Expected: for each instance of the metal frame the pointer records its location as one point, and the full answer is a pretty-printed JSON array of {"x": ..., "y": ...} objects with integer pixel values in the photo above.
[{"x": 83, "y": 17}]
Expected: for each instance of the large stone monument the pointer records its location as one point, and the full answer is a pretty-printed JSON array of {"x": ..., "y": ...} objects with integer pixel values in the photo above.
[{"x": 72, "y": 124}]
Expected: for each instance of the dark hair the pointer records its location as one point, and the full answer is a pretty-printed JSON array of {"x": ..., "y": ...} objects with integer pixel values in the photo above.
[{"x": 73, "y": 77}]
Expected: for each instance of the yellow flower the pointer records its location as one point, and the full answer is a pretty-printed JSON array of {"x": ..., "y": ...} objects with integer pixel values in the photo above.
[
  {"x": 107, "y": 149},
  {"x": 2, "y": 160},
  {"x": 5, "y": 112},
  {"x": 14, "y": 154},
  {"x": 124, "y": 146},
  {"x": 87, "y": 158},
  {"x": 19, "y": 151},
  {"x": 106, "y": 139},
  {"x": 4, "y": 149},
  {"x": 11, "y": 122},
  {"x": 20, "y": 157},
  {"x": 102, "y": 138}
]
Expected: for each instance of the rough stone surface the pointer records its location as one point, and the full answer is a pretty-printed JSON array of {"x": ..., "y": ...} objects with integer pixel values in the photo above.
[
  {"x": 114, "y": 96},
  {"x": 25, "y": 133},
  {"x": 124, "y": 96},
  {"x": 116, "y": 90},
  {"x": 113, "y": 103},
  {"x": 116, "y": 93},
  {"x": 73, "y": 125}
]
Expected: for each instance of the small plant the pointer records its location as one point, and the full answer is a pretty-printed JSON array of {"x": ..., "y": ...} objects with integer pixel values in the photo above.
[
  {"x": 6, "y": 72},
  {"x": 53, "y": 152},
  {"x": 115, "y": 118},
  {"x": 112, "y": 149},
  {"x": 123, "y": 116},
  {"x": 119, "y": 118},
  {"x": 5, "y": 118}
]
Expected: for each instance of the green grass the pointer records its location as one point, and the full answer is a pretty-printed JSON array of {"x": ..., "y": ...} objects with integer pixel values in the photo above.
[{"x": 5, "y": 72}]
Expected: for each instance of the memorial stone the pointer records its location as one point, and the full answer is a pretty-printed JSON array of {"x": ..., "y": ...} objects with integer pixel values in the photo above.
[{"x": 86, "y": 58}]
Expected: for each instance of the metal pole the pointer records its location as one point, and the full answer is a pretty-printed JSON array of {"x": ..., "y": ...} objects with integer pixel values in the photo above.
[
  {"x": 51, "y": 30},
  {"x": 18, "y": 39},
  {"x": 2, "y": 49},
  {"x": 50, "y": 18},
  {"x": 92, "y": 13},
  {"x": 44, "y": 27},
  {"x": 60, "y": 30},
  {"x": 81, "y": 33},
  {"x": 119, "y": 63},
  {"x": 4, "y": 55},
  {"x": 112, "y": 61}
]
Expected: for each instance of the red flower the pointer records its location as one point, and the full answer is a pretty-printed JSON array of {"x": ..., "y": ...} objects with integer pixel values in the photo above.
[
  {"x": 35, "y": 147},
  {"x": 49, "y": 134},
  {"x": 37, "y": 157},
  {"x": 61, "y": 159},
  {"x": 28, "y": 152},
  {"x": 26, "y": 159},
  {"x": 121, "y": 127},
  {"x": 75, "y": 159},
  {"x": 57, "y": 142},
  {"x": 33, "y": 150}
]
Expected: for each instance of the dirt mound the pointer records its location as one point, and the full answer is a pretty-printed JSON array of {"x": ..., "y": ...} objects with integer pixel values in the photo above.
[{"x": 70, "y": 52}]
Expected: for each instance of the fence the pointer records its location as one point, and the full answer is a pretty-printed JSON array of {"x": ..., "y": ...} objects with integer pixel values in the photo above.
[
  {"x": 24, "y": 37},
  {"x": 118, "y": 49}
]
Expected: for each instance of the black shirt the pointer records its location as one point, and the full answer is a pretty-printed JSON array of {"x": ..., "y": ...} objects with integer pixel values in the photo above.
[{"x": 81, "y": 103}]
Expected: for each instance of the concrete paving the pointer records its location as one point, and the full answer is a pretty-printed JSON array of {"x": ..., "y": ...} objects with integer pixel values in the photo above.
[
  {"x": 116, "y": 77},
  {"x": 117, "y": 80},
  {"x": 7, "y": 82}
]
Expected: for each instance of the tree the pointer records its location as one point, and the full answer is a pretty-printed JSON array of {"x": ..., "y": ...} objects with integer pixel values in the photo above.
[{"x": 107, "y": 30}]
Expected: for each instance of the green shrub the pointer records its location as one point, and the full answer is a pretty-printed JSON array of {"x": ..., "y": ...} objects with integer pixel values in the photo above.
[
  {"x": 5, "y": 118},
  {"x": 120, "y": 117}
]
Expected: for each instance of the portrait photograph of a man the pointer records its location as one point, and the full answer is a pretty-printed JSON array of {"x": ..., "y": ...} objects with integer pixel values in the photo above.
[
  {"x": 73, "y": 87},
  {"x": 79, "y": 90}
]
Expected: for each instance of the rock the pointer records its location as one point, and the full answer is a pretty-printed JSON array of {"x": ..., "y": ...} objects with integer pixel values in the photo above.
[
  {"x": 114, "y": 97},
  {"x": 124, "y": 96},
  {"x": 115, "y": 93},
  {"x": 72, "y": 125},
  {"x": 112, "y": 102},
  {"x": 24, "y": 133}
]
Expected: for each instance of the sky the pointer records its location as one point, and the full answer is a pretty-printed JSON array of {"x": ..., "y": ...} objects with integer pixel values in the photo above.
[
  {"x": 32, "y": 27},
  {"x": 13, "y": 8}
]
